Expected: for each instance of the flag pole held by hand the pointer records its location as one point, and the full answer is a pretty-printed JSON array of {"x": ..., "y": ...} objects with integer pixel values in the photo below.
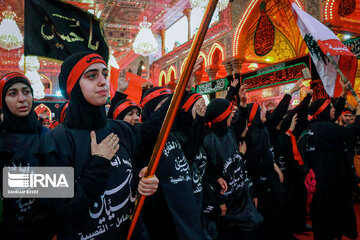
[
  {"x": 174, "y": 106},
  {"x": 341, "y": 74}
]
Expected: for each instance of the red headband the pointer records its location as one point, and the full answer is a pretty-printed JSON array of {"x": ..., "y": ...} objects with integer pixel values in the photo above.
[
  {"x": 346, "y": 112},
  {"x": 5, "y": 78},
  {"x": 79, "y": 68},
  {"x": 53, "y": 124},
  {"x": 222, "y": 116},
  {"x": 154, "y": 94},
  {"x": 323, "y": 106},
  {"x": 63, "y": 112},
  {"x": 253, "y": 113},
  {"x": 191, "y": 100},
  {"x": 122, "y": 107}
]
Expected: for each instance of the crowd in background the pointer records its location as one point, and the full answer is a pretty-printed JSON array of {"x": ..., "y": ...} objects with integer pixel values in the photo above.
[{"x": 229, "y": 170}]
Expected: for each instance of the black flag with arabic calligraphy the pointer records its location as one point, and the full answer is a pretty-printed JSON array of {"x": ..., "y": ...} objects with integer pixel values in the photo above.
[{"x": 56, "y": 29}]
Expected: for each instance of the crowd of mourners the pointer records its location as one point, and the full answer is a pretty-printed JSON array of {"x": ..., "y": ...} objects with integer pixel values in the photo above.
[{"x": 229, "y": 170}]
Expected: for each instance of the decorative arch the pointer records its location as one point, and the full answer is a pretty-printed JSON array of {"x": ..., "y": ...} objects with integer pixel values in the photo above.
[
  {"x": 201, "y": 54},
  {"x": 245, "y": 23},
  {"x": 162, "y": 78},
  {"x": 41, "y": 108},
  {"x": 182, "y": 65},
  {"x": 171, "y": 74},
  {"x": 45, "y": 80},
  {"x": 213, "y": 49}
]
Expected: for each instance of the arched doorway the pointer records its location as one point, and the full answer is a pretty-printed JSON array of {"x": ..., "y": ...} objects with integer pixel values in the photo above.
[{"x": 216, "y": 57}]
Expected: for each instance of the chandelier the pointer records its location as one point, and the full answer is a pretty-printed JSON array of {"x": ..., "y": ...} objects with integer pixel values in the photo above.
[
  {"x": 145, "y": 43},
  {"x": 222, "y": 4},
  {"x": 10, "y": 36},
  {"x": 30, "y": 65}
]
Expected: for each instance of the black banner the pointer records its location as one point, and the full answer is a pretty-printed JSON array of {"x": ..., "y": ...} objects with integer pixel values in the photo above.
[{"x": 55, "y": 29}]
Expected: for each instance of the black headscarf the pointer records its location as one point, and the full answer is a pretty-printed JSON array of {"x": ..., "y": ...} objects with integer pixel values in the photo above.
[
  {"x": 318, "y": 114},
  {"x": 184, "y": 117},
  {"x": 62, "y": 111},
  {"x": 123, "y": 107},
  {"x": 216, "y": 108},
  {"x": 11, "y": 123},
  {"x": 239, "y": 125},
  {"x": 80, "y": 114},
  {"x": 149, "y": 102}
]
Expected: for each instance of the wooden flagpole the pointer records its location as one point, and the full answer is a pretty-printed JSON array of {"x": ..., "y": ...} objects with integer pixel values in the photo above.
[
  {"x": 343, "y": 77},
  {"x": 174, "y": 106}
]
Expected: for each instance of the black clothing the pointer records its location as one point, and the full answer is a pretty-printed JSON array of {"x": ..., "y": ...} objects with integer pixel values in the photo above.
[
  {"x": 331, "y": 210},
  {"x": 82, "y": 115},
  {"x": 104, "y": 190},
  {"x": 114, "y": 101},
  {"x": 173, "y": 206},
  {"x": 23, "y": 218}
]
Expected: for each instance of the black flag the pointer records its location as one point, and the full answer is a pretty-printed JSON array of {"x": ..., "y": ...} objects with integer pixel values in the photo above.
[{"x": 56, "y": 29}]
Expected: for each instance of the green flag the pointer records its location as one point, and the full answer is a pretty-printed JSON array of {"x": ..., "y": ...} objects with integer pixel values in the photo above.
[{"x": 56, "y": 29}]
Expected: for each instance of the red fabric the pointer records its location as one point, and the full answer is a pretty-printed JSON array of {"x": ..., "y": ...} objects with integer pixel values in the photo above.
[
  {"x": 295, "y": 149},
  {"x": 253, "y": 113},
  {"x": 222, "y": 116},
  {"x": 63, "y": 113},
  {"x": 53, "y": 124},
  {"x": 122, "y": 107},
  {"x": 114, "y": 75},
  {"x": 346, "y": 112},
  {"x": 322, "y": 108},
  {"x": 310, "y": 182},
  {"x": 191, "y": 100},
  {"x": 134, "y": 90},
  {"x": 5, "y": 78},
  {"x": 153, "y": 95}
]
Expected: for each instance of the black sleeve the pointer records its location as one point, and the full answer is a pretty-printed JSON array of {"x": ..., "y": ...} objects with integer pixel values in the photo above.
[
  {"x": 195, "y": 138},
  {"x": 213, "y": 173},
  {"x": 117, "y": 98},
  {"x": 231, "y": 93},
  {"x": 334, "y": 133},
  {"x": 274, "y": 118},
  {"x": 232, "y": 90},
  {"x": 87, "y": 187},
  {"x": 302, "y": 111},
  {"x": 243, "y": 112},
  {"x": 339, "y": 106},
  {"x": 146, "y": 134}
]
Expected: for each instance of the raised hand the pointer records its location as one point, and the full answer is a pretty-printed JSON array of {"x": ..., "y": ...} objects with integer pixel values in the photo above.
[
  {"x": 299, "y": 84},
  {"x": 345, "y": 88},
  {"x": 199, "y": 108},
  {"x": 122, "y": 84},
  {"x": 293, "y": 122},
  {"x": 107, "y": 148},
  {"x": 197, "y": 67},
  {"x": 234, "y": 83},
  {"x": 242, "y": 95},
  {"x": 146, "y": 85}
]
